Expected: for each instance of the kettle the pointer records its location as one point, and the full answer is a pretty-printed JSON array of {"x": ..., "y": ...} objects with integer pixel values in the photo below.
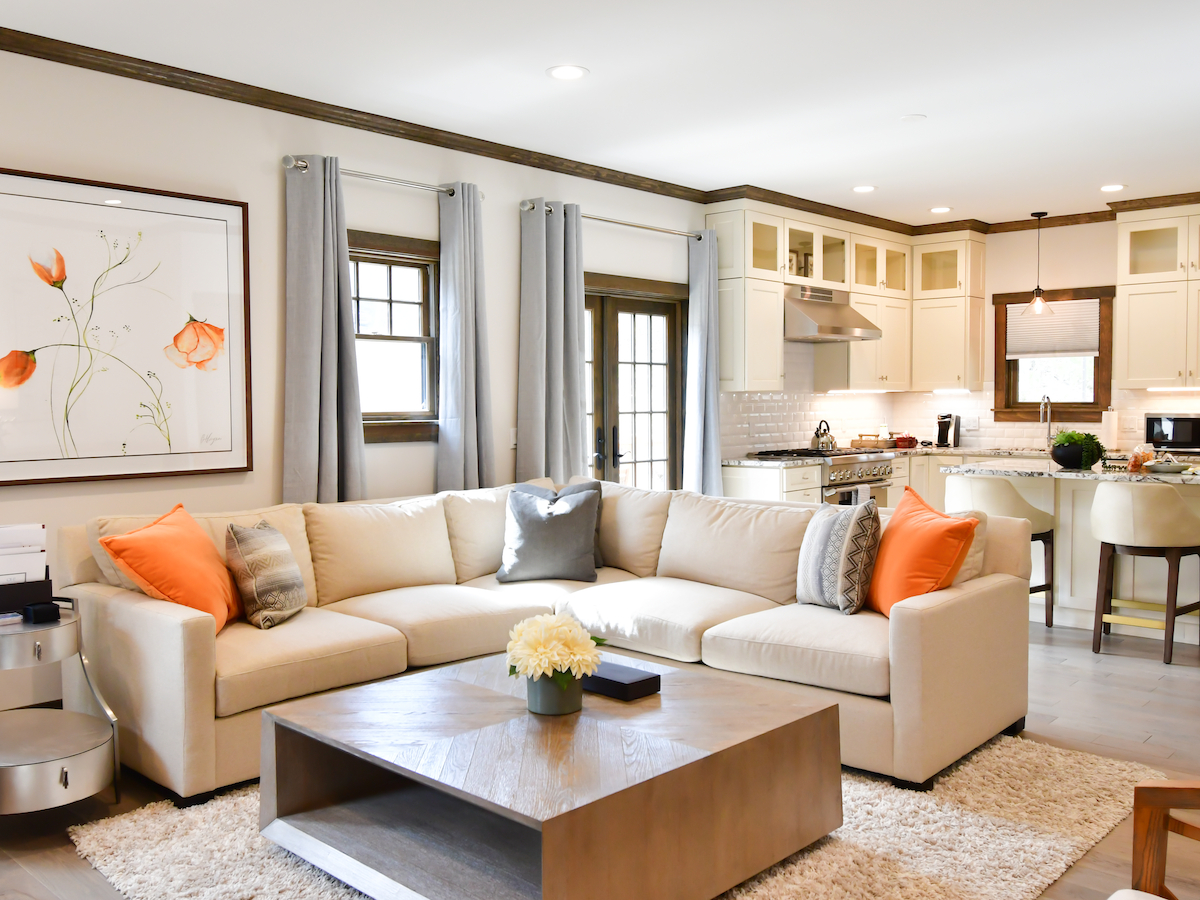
[{"x": 822, "y": 439}]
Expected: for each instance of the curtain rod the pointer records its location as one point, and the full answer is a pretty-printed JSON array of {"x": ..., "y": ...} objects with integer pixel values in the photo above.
[
  {"x": 528, "y": 205},
  {"x": 290, "y": 162}
]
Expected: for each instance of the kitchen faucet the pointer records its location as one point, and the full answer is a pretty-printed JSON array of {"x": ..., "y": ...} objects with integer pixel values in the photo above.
[{"x": 1044, "y": 410}]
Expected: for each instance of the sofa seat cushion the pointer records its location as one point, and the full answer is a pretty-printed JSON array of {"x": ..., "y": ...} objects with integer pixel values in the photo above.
[
  {"x": 552, "y": 592},
  {"x": 811, "y": 645},
  {"x": 662, "y": 616},
  {"x": 315, "y": 650},
  {"x": 445, "y": 622}
]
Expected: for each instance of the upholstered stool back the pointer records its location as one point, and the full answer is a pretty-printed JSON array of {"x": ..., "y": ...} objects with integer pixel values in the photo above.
[
  {"x": 1143, "y": 514},
  {"x": 996, "y": 497}
]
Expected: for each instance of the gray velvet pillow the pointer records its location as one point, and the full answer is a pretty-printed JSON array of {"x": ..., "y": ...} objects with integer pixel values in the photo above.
[
  {"x": 550, "y": 538},
  {"x": 548, "y": 494}
]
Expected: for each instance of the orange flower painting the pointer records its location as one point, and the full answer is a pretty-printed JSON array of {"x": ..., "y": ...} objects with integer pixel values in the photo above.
[
  {"x": 56, "y": 276},
  {"x": 17, "y": 368},
  {"x": 197, "y": 344}
]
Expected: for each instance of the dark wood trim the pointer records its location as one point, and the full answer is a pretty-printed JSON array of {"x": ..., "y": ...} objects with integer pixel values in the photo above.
[
  {"x": 957, "y": 225},
  {"x": 391, "y": 243},
  {"x": 1154, "y": 202},
  {"x": 38, "y": 47},
  {"x": 1007, "y": 408},
  {"x": 1052, "y": 222},
  {"x": 1103, "y": 292},
  {"x": 750, "y": 192},
  {"x": 245, "y": 208},
  {"x": 400, "y": 432},
  {"x": 182, "y": 79},
  {"x": 633, "y": 288}
]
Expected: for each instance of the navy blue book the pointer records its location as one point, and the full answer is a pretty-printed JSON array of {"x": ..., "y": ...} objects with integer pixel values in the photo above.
[{"x": 622, "y": 682}]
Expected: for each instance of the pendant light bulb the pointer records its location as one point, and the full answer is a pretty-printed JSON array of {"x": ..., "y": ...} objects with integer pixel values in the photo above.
[{"x": 1038, "y": 305}]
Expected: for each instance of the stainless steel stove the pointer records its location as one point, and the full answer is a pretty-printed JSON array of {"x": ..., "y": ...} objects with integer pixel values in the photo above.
[{"x": 843, "y": 471}]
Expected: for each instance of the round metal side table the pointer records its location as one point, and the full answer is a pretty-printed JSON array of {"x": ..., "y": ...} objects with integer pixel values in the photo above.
[{"x": 51, "y": 757}]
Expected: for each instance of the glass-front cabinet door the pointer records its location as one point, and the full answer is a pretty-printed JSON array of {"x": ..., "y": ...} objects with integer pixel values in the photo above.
[
  {"x": 764, "y": 247},
  {"x": 1152, "y": 251},
  {"x": 939, "y": 270},
  {"x": 816, "y": 255},
  {"x": 879, "y": 267}
]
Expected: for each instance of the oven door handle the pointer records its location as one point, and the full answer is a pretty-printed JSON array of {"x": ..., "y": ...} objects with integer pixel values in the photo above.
[{"x": 853, "y": 488}]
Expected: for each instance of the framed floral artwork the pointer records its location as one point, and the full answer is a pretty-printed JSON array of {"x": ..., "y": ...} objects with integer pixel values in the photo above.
[{"x": 124, "y": 332}]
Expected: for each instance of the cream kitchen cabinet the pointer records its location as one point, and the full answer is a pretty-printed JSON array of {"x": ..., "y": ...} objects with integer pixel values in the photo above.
[
  {"x": 1156, "y": 328},
  {"x": 918, "y": 474},
  {"x": 793, "y": 483},
  {"x": 1193, "y": 247},
  {"x": 880, "y": 267},
  {"x": 899, "y": 480},
  {"x": 1155, "y": 250},
  {"x": 935, "y": 489},
  {"x": 948, "y": 344},
  {"x": 816, "y": 255},
  {"x": 750, "y": 311},
  {"x": 868, "y": 365},
  {"x": 950, "y": 269},
  {"x": 749, "y": 244}
]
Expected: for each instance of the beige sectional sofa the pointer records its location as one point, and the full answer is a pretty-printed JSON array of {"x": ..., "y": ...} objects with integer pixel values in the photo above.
[{"x": 400, "y": 584}]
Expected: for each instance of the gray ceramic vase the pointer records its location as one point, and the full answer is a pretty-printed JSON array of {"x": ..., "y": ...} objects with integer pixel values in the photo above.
[{"x": 548, "y": 699}]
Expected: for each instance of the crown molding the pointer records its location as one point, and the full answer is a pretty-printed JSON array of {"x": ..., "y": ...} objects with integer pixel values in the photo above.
[{"x": 53, "y": 50}]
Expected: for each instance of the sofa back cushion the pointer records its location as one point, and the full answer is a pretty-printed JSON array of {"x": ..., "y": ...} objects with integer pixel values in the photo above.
[
  {"x": 745, "y": 547},
  {"x": 287, "y": 518},
  {"x": 631, "y": 527},
  {"x": 475, "y": 520},
  {"x": 362, "y": 549}
]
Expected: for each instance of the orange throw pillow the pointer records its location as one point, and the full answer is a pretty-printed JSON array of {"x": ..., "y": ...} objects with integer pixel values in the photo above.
[
  {"x": 173, "y": 559},
  {"x": 921, "y": 551}
]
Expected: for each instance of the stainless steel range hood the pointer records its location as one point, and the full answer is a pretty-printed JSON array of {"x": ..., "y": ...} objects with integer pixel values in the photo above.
[{"x": 818, "y": 315}]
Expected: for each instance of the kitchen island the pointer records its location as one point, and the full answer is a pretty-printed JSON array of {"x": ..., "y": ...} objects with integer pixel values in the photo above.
[{"x": 1068, "y": 494}]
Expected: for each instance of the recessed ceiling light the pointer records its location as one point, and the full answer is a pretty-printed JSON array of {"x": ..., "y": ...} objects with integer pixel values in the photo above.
[
  {"x": 1113, "y": 187},
  {"x": 567, "y": 73},
  {"x": 864, "y": 189},
  {"x": 913, "y": 117},
  {"x": 112, "y": 202},
  {"x": 940, "y": 209}
]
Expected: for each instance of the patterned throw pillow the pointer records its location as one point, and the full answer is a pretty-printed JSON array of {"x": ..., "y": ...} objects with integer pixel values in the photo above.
[
  {"x": 837, "y": 557},
  {"x": 266, "y": 572}
]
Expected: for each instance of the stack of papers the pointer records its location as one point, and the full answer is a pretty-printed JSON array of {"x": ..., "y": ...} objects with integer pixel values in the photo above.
[{"x": 22, "y": 553}]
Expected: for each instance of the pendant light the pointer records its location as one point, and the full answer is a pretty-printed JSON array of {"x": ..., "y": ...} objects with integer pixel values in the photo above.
[{"x": 1038, "y": 305}]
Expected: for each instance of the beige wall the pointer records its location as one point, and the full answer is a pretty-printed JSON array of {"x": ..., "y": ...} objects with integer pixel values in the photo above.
[{"x": 67, "y": 121}]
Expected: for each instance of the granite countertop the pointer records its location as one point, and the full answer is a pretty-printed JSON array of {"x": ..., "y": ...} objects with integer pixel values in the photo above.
[
  {"x": 915, "y": 451},
  {"x": 1047, "y": 469}
]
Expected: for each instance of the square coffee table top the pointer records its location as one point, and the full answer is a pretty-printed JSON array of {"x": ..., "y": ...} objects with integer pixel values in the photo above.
[{"x": 465, "y": 729}]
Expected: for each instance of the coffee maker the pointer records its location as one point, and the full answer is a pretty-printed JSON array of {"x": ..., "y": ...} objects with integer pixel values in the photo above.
[{"x": 947, "y": 430}]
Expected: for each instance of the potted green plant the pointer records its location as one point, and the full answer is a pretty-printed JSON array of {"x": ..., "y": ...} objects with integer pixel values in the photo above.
[{"x": 1076, "y": 449}]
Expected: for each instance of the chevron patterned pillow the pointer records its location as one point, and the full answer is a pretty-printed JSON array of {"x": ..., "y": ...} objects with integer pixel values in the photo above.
[
  {"x": 837, "y": 557},
  {"x": 267, "y": 575}
]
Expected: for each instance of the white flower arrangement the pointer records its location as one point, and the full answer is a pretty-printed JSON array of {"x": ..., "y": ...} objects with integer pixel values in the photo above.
[{"x": 556, "y": 646}]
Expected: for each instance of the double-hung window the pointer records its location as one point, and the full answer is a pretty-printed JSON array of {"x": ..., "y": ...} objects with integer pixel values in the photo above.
[
  {"x": 1065, "y": 355},
  {"x": 393, "y": 283}
]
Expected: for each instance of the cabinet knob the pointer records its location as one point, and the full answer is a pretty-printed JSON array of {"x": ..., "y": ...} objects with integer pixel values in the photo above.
[
  {"x": 958, "y": 378},
  {"x": 960, "y": 284},
  {"x": 1181, "y": 265}
]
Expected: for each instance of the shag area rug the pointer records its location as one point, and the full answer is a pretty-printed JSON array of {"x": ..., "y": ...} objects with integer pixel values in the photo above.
[{"x": 1003, "y": 824}]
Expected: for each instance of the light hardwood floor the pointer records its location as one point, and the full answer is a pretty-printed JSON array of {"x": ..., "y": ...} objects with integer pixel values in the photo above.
[{"x": 1123, "y": 703}]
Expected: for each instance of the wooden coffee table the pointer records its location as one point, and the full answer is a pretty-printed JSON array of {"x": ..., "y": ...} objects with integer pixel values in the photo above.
[{"x": 441, "y": 785}]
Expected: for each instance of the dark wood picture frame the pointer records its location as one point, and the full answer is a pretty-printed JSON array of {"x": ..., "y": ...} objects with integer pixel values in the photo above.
[
  {"x": 1007, "y": 408},
  {"x": 244, "y": 209}
]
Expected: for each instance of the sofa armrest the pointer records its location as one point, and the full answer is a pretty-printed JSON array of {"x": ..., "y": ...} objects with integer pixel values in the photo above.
[
  {"x": 959, "y": 670},
  {"x": 155, "y": 664}
]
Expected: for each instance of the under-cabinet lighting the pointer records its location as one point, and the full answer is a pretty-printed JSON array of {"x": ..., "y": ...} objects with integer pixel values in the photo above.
[
  {"x": 1163, "y": 390},
  {"x": 880, "y": 391},
  {"x": 1109, "y": 188},
  {"x": 951, "y": 391}
]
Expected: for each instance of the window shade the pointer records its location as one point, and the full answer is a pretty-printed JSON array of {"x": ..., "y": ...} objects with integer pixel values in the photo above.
[{"x": 1073, "y": 330}]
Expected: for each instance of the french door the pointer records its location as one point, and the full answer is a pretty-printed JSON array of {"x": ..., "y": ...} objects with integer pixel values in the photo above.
[{"x": 634, "y": 369}]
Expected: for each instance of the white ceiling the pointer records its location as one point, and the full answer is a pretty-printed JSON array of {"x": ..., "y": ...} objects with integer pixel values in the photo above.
[{"x": 1031, "y": 104}]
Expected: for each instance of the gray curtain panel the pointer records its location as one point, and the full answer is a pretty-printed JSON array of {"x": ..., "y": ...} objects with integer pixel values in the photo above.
[
  {"x": 465, "y": 451},
  {"x": 702, "y": 417},
  {"x": 323, "y": 453},
  {"x": 550, "y": 395}
]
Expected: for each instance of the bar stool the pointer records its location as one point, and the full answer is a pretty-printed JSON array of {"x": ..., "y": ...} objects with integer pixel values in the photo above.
[
  {"x": 1141, "y": 519},
  {"x": 998, "y": 497}
]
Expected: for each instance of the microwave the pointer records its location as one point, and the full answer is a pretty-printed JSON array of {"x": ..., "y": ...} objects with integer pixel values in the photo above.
[{"x": 1167, "y": 432}]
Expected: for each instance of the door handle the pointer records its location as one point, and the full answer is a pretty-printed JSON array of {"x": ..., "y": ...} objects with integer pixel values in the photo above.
[
  {"x": 616, "y": 457},
  {"x": 598, "y": 456}
]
